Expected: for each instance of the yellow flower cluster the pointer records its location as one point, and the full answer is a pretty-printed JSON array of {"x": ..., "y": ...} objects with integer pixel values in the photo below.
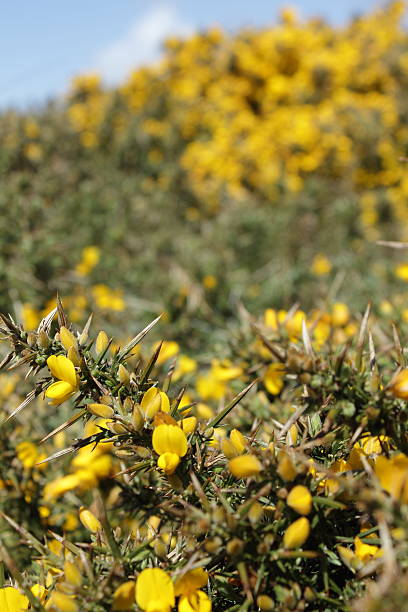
[{"x": 263, "y": 110}]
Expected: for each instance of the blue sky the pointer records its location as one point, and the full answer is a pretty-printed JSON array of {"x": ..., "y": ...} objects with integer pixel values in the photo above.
[{"x": 44, "y": 43}]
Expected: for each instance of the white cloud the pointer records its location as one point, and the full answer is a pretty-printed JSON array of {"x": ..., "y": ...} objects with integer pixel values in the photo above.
[{"x": 141, "y": 44}]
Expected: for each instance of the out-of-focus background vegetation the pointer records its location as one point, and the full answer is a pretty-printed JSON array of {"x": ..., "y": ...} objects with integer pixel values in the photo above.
[{"x": 258, "y": 167}]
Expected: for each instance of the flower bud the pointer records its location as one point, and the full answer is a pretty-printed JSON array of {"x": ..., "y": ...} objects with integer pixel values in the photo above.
[
  {"x": 74, "y": 356},
  {"x": 89, "y": 520},
  {"x": 160, "y": 548},
  {"x": 31, "y": 338},
  {"x": 255, "y": 512},
  {"x": 213, "y": 545},
  {"x": 102, "y": 342},
  {"x": 116, "y": 428},
  {"x": 235, "y": 547},
  {"x": 124, "y": 376},
  {"x": 309, "y": 594},
  {"x": 265, "y": 603},
  {"x": 43, "y": 340},
  {"x": 101, "y": 410},
  {"x": 137, "y": 418},
  {"x": 67, "y": 338}
]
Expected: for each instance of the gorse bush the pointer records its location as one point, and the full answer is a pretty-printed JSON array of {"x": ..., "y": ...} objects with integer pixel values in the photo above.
[
  {"x": 289, "y": 495},
  {"x": 197, "y": 166},
  {"x": 246, "y": 462}
]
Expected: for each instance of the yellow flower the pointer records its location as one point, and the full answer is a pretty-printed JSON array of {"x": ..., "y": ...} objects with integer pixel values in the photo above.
[
  {"x": 401, "y": 271},
  {"x": 224, "y": 371},
  {"x": 154, "y": 591},
  {"x": 39, "y": 591},
  {"x": 169, "y": 349},
  {"x": 28, "y": 454},
  {"x": 89, "y": 258},
  {"x": 63, "y": 369},
  {"x": 210, "y": 388},
  {"x": 399, "y": 384},
  {"x": 191, "y": 581},
  {"x": 62, "y": 602},
  {"x": 72, "y": 574},
  {"x": 169, "y": 439},
  {"x": 124, "y": 596},
  {"x": 170, "y": 443},
  {"x": 340, "y": 314},
  {"x": 366, "y": 447},
  {"x": 321, "y": 266},
  {"x": 30, "y": 316},
  {"x": 196, "y": 602},
  {"x": 393, "y": 475},
  {"x": 154, "y": 401},
  {"x": 286, "y": 468},
  {"x": 273, "y": 378},
  {"x": 168, "y": 462},
  {"x": 185, "y": 365},
  {"x": 234, "y": 445},
  {"x": 12, "y": 600},
  {"x": 300, "y": 500},
  {"x": 209, "y": 281},
  {"x": 365, "y": 552},
  {"x": 188, "y": 424},
  {"x": 244, "y": 466},
  {"x": 297, "y": 533},
  {"x": 89, "y": 520}
]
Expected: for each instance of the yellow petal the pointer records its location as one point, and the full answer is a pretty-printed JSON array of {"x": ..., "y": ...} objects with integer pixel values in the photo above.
[
  {"x": 164, "y": 402},
  {"x": 67, "y": 338},
  {"x": 244, "y": 466},
  {"x": 300, "y": 499},
  {"x": 89, "y": 520},
  {"x": 124, "y": 596},
  {"x": 169, "y": 439},
  {"x": 188, "y": 425},
  {"x": 191, "y": 581},
  {"x": 12, "y": 600},
  {"x": 196, "y": 602},
  {"x": 286, "y": 469},
  {"x": 72, "y": 574},
  {"x": 168, "y": 349},
  {"x": 39, "y": 591},
  {"x": 229, "y": 449},
  {"x": 399, "y": 385},
  {"x": 273, "y": 378},
  {"x": 168, "y": 462},
  {"x": 62, "y": 368},
  {"x": 154, "y": 591},
  {"x": 101, "y": 343},
  {"x": 238, "y": 440},
  {"x": 59, "y": 390},
  {"x": 151, "y": 402},
  {"x": 297, "y": 533},
  {"x": 62, "y": 602},
  {"x": 101, "y": 410}
]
